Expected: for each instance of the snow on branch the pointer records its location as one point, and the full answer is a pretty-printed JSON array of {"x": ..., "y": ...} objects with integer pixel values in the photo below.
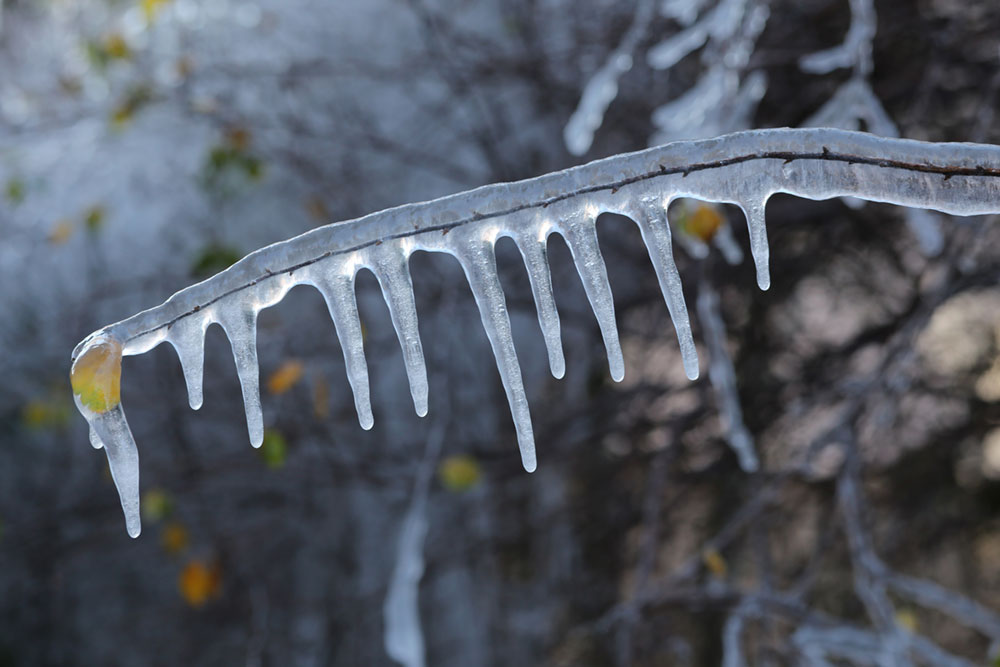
[{"x": 743, "y": 168}]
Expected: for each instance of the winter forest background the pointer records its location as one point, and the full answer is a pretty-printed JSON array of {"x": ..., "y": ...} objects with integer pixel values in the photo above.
[{"x": 146, "y": 144}]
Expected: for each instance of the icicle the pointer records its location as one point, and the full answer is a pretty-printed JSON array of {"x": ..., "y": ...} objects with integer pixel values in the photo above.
[
  {"x": 96, "y": 381},
  {"x": 403, "y": 638},
  {"x": 393, "y": 275},
  {"x": 532, "y": 247},
  {"x": 722, "y": 375},
  {"x": 240, "y": 324},
  {"x": 188, "y": 338},
  {"x": 123, "y": 460},
  {"x": 478, "y": 259},
  {"x": 581, "y": 236},
  {"x": 337, "y": 289},
  {"x": 655, "y": 229},
  {"x": 754, "y": 212}
]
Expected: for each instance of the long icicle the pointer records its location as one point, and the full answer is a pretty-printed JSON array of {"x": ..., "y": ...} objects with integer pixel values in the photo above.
[
  {"x": 240, "y": 324},
  {"x": 479, "y": 261},
  {"x": 532, "y": 247}
]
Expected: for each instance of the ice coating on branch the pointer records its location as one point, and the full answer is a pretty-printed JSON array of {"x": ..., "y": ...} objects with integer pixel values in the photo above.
[
  {"x": 855, "y": 106},
  {"x": 744, "y": 168},
  {"x": 722, "y": 375},
  {"x": 856, "y": 49},
  {"x": 724, "y": 98},
  {"x": 602, "y": 89}
]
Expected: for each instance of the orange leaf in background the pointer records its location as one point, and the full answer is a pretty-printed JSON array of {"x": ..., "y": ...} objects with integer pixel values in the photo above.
[
  {"x": 715, "y": 563},
  {"x": 199, "y": 582},
  {"x": 703, "y": 222},
  {"x": 238, "y": 138},
  {"x": 174, "y": 538},
  {"x": 321, "y": 398},
  {"x": 60, "y": 232},
  {"x": 317, "y": 209},
  {"x": 285, "y": 377},
  {"x": 116, "y": 47}
]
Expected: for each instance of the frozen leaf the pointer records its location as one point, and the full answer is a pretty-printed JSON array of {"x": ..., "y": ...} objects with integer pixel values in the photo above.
[
  {"x": 199, "y": 582},
  {"x": 286, "y": 377},
  {"x": 459, "y": 473},
  {"x": 96, "y": 376}
]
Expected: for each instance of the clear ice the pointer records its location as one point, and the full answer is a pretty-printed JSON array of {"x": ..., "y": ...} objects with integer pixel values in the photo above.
[{"x": 744, "y": 168}]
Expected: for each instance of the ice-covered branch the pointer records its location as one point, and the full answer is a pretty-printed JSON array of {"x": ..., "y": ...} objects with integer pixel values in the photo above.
[{"x": 744, "y": 169}]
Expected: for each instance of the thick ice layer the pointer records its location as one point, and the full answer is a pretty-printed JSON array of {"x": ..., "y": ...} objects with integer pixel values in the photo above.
[{"x": 745, "y": 169}]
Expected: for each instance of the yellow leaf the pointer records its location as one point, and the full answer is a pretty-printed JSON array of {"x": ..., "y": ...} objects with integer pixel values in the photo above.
[
  {"x": 96, "y": 375},
  {"x": 174, "y": 538},
  {"x": 199, "y": 582},
  {"x": 156, "y": 505},
  {"x": 42, "y": 413},
  {"x": 60, "y": 232},
  {"x": 287, "y": 375},
  {"x": 151, "y": 7},
  {"x": 459, "y": 473},
  {"x": 116, "y": 47},
  {"x": 715, "y": 563},
  {"x": 906, "y": 619},
  {"x": 321, "y": 398}
]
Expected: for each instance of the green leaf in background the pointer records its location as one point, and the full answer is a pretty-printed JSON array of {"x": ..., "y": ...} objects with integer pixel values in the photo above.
[
  {"x": 156, "y": 505},
  {"x": 14, "y": 191},
  {"x": 459, "y": 473},
  {"x": 213, "y": 258},
  {"x": 274, "y": 449}
]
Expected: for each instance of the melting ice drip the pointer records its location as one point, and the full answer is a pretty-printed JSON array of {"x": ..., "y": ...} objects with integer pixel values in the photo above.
[{"x": 744, "y": 169}]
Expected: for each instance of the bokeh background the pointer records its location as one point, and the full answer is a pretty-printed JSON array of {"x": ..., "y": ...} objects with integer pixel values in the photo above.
[{"x": 146, "y": 144}]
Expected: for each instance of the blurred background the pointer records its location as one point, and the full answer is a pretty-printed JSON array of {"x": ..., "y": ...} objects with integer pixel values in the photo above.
[{"x": 831, "y": 495}]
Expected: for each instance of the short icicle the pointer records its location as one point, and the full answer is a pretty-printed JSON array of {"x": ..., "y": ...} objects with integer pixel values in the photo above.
[
  {"x": 187, "y": 336},
  {"x": 240, "y": 325},
  {"x": 393, "y": 273},
  {"x": 581, "y": 236},
  {"x": 479, "y": 262},
  {"x": 655, "y": 229},
  {"x": 337, "y": 289},
  {"x": 753, "y": 209},
  {"x": 532, "y": 247}
]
